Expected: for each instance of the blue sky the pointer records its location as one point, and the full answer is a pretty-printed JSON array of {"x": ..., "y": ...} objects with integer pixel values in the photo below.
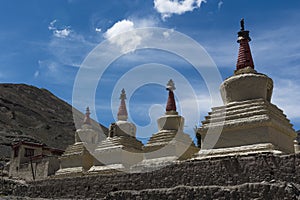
[{"x": 43, "y": 43}]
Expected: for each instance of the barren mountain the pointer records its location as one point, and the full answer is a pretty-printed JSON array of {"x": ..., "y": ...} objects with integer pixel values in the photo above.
[{"x": 30, "y": 113}]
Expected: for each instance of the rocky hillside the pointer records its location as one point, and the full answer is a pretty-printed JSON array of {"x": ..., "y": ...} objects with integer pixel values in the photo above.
[{"x": 30, "y": 113}]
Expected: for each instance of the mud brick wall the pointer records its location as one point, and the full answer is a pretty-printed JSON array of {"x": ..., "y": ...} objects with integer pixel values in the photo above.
[
  {"x": 264, "y": 170},
  {"x": 268, "y": 191}
]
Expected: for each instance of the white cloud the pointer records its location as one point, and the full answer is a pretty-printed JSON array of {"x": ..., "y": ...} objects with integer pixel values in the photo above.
[
  {"x": 128, "y": 25},
  {"x": 49, "y": 66},
  {"x": 68, "y": 47},
  {"x": 167, "y": 33},
  {"x": 51, "y": 25},
  {"x": 36, "y": 74},
  {"x": 144, "y": 22},
  {"x": 98, "y": 30},
  {"x": 118, "y": 28},
  {"x": 168, "y": 7},
  {"x": 220, "y": 5},
  {"x": 60, "y": 33},
  {"x": 127, "y": 42}
]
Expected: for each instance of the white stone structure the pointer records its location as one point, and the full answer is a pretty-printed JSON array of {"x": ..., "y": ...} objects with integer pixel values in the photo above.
[
  {"x": 120, "y": 149},
  {"x": 248, "y": 118},
  {"x": 77, "y": 158},
  {"x": 170, "y": 143}
]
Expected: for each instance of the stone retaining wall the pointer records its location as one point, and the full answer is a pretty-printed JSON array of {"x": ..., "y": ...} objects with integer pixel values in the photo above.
[
  {"x": 268, "y": 191},
  {"x": 193, "y": 175},
  {"x": 8, "y": 187}
]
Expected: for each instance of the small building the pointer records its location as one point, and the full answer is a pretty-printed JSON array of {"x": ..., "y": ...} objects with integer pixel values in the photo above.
[{"x": 33, "y": 161}]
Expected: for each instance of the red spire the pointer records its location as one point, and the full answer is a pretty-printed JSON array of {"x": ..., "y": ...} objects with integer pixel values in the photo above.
[
  {"x": 244, "y": 57},
  {"x": 171, "y": 105},
  {"x": 122, "y": 113},
  {"x": 87, "y": 119}
]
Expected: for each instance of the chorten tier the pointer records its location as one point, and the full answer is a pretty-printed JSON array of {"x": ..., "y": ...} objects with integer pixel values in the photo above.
[
  {"x": 117, "y": 153},
  {"x": 246, "y": 86},
  {"x": 170, "y": 122},
  {"x": 248, "y": 118},
  {"x": 75, "y": 161},
  {"x": 249, "y": 122}
]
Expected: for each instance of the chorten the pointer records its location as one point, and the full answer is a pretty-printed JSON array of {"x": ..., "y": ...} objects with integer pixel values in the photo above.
[
  {"x": 250, "y": 122},
  {"x": 170, "y": 143},
  {"x": 77, "y": 158},
  {"x": 87, "y": 134},
  {"x": 120, "y": 149}
]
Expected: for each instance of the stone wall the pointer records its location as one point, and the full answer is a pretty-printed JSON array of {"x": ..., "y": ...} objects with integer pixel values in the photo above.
[
  {"x": 7, "y": 187},
  {"x": 245, "y": 191},
  {"x": 213, "y": 178}
]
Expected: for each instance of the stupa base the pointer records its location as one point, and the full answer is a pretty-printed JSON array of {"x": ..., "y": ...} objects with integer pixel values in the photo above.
[{"x": 237, "y": 151}]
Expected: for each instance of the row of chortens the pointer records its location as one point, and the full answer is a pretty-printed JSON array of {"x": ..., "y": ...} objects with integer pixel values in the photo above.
[{"x": 247, "y": 123}]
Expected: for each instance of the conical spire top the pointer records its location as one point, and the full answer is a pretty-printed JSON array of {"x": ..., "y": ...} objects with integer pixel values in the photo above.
[
  {"x": 122, "y": 113},
  {"x": 244, "y": 58},
  {"x": 171, "y": 104},
  {"x": 87, "y": 119},
  {"x": 123, "y": 94},
  {"x": 171, "y": 85},
  {"x": 242, "y": 24}
]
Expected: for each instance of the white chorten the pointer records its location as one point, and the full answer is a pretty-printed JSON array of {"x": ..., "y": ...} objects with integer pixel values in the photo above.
[
  {"x": 77, "y": 158},
  {"x": 120, "y": 149},
  {"x": 170, "y": 143},
  {"x": 87, "y": 134},
  {"x": 248, "y": 120}
]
